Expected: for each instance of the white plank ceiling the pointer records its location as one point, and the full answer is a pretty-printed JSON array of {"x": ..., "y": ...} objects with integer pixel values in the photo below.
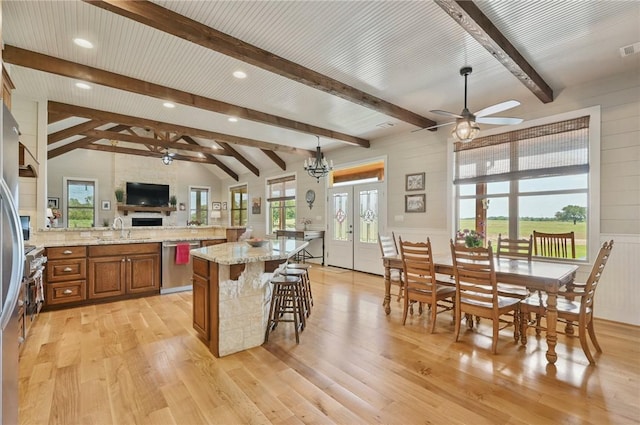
[{"x": 406, "y": 52}]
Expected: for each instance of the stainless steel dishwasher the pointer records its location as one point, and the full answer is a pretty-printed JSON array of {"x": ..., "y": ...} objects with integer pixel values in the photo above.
[{"x": 176, "y": 277}]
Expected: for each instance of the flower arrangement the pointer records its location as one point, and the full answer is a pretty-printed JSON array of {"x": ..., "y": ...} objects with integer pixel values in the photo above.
[{"x": 472, "y": 239}]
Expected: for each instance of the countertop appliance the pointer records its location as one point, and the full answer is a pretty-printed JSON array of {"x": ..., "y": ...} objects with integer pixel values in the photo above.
[
  {"x": 11, "y": 267},
  {"x": 176, "y": 277}
]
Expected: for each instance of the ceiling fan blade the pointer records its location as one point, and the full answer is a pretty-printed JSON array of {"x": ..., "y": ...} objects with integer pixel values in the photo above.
[
  {"x": 498, "y": 120},
  {"x": 499, "y": 107},
  {"x": 449, "y": 114},
  {"x": 433, "y": 126}
]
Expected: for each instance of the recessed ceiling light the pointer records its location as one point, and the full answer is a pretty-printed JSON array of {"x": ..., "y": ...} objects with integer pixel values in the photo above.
[
  {"x": 232, "y": 119},
  {"x": 168, "y": 105},
  {"x": 240, "y": 74},
  {"x": 83, "y": 86},
  {"x": 83, "y": 43}
]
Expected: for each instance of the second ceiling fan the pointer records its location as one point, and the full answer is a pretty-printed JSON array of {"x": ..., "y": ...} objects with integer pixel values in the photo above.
[{"x": 467, "y": 128}]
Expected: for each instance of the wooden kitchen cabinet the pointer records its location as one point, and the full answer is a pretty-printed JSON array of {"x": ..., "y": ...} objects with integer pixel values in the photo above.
[
  {"x": 65, "y": 278},
  {"x": 201, "y": 298},
  {"x": 210, "y": 242},
  {"x": 123, "y": 269}
]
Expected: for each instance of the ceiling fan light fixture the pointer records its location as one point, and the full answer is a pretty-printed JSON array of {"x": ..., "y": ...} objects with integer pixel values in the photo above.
[
  {"x": 465, "y": 130},
  {"x": 166, "y": 158}
]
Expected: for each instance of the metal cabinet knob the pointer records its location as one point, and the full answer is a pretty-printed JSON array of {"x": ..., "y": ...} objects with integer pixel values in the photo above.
[
  {"x": 67, "y": 269},
  {"x": 67, "y": 252},
  {"x": 67, "y": 292},
  {"x": 20, "y": 303}
]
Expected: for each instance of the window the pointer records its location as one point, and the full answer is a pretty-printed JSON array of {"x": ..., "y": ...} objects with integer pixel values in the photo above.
[
  {"x": 281, "y": 196},
  {"x": 198, "y": 205},
  {"x": 536, "y": 178},
  {"x": 80, "y": 197},
  {"x": 239, "y": 204}
]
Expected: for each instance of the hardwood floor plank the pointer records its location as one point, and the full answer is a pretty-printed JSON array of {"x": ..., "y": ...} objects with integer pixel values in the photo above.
[{"x": 140, "y": 362}]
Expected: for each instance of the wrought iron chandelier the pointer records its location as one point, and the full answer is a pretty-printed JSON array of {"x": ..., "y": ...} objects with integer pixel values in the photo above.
[
  {"x": 167, "y": 158},
  {"x": 319, "y": 166}
]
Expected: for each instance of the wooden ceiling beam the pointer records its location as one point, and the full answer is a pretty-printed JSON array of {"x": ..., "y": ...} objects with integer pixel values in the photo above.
[
  {"x": 79, "y": 143},
  {"x": 53, "y": 65},
  {"x": 275, "y": 158},
  {"x": 111, "y": 135},
  {"x": 478, "y": 25},
  {"x": 215, "y": 160},
  {"x": 237, "y": 155},
  {"x": 73, "y": 131},
  {"x": 55, "y": 117},
  {"x": 178, "y": 25},
  {"x": 81, "y": 111},
  {"x": 140, "y": 152}
]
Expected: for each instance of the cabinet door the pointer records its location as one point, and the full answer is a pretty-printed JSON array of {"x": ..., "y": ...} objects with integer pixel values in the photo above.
[
  {"x": 106, "y": 277},
  {"x": 143, "y": 273},
  {"x": 200, "y": 306}
]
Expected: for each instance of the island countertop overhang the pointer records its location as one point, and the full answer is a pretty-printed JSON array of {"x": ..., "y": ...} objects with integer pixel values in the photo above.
[{"x": 240, "y": 252}]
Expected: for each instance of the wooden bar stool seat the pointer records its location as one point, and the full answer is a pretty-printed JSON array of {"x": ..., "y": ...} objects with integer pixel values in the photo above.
[
  {"x": 286, "y": 299},
  {"x": 306, "y": 281}
]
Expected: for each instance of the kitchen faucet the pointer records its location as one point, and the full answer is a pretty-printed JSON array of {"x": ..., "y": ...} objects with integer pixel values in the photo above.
[{"x": 115, "y": 220}]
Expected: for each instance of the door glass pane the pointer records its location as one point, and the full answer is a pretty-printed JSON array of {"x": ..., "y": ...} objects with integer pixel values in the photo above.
[
  {"x": 368, "y": 216},
  {"x": 340, "y": 210},
  {"x": 555, "y": 214}
]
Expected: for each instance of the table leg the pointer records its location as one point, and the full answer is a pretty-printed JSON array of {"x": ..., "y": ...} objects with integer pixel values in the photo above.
[
  {"x": 552, "y": 319},
  {"x": 387, "y": 290}
]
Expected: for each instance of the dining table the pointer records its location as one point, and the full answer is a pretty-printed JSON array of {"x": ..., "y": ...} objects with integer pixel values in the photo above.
[{"x": 537, "y": 274}]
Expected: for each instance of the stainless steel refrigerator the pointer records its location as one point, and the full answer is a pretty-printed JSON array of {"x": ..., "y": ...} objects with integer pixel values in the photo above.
[{"x": 11, "y": 267}]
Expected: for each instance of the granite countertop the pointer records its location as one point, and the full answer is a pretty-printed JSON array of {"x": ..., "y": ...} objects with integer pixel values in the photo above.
[
  {"x": 133, "y": 239},
  {"x": 241, "y": 252}
]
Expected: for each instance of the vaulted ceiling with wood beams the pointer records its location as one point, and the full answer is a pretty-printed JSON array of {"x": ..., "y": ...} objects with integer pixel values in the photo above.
[{"x": 347, "y": 72}]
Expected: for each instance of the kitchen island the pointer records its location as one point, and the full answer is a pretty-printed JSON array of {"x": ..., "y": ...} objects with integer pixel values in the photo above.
[{"x": 231, "y": 292}]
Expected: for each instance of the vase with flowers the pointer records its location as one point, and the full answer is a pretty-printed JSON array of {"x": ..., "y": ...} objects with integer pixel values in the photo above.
[
  {"x": 472, "y": 239},
  {"x": 305, "y": 221}
]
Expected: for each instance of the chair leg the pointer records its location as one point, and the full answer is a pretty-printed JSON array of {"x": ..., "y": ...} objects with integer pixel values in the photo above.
[
  {"x": 516, "y": 324},
  {"x": 582, "y": 333},
  {"x": 458, "y": 319},
  {"x": 494, "y": 342},
  {"x": 434, "y": 312},
  {"x": 405, "y": 310},
  {"x": 592, "y": 334},
  {"x": 524, "y": 325}
]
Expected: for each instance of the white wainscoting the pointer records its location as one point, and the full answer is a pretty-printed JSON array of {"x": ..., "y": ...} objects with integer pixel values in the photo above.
[{"x": 618, "y": 296}]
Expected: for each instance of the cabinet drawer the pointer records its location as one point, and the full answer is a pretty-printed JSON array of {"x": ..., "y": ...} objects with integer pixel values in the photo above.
[
  {"x": 124, "y": 249},
  {"x": 62, "y": 252},
  {"x": 66, "y": 292},
  {"x": 210, "y": 242},
  {"x": 200, "y": 267},
  {"x": 61, "y": 270}
]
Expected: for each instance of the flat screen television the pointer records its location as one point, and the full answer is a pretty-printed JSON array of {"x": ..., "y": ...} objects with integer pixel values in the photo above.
[{"x": 147, "y": 194}]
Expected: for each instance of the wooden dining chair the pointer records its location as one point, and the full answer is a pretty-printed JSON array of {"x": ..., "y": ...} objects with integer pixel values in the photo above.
[
  {"x": 477, "y": 291},
  {"x": 558, "y": 245},
  {"x": 516, "y": 249},
  {"x": 420, "y": 283},
  {"x": 389, "y": 247},
  {"x": 574, "y": 305}
]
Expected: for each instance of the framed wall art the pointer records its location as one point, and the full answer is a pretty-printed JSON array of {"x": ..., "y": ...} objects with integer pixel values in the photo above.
[
  {"x": 216, "y": 206},
  {"x": 53, "y": 203},
  {"x": 415, "y": 203},
  {"x": 106, "y": 205},
  {"x": 414, "y": 181}
]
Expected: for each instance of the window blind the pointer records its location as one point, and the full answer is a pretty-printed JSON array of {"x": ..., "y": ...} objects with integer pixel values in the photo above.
[{"x": 560, "y": 148}]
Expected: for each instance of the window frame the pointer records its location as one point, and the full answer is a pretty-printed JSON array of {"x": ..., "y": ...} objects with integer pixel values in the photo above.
[
  {"x": 593, "y": 179},
  {"x": 198, "y": 208},
  {"x": 282, "y": 179},
  {"x": 65, "y": 199},
  {"x": 233, "y": 189}
]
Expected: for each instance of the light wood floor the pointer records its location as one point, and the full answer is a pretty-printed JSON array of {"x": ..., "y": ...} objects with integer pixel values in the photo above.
[{"x": 139, "y": 361}]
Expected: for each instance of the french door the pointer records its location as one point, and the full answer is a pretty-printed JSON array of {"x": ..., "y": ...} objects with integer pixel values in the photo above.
[{"x": 355, "y": 214}]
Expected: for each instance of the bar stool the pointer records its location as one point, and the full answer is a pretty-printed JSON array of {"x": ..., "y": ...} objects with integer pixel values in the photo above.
[
  {"x": 302, "y": 274},
  {"x": 306, "y": 280},
  {"x": 286, "y": 298}
]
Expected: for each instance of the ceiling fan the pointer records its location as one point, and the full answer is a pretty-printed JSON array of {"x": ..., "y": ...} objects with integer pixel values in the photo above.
[{"x": 467, "y": 128}]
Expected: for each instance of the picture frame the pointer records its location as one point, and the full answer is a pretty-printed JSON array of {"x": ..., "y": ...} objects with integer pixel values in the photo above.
[
  {"x": 106, "y": 205},
  {"x": 224, "y": 205},
  {"x": 256, "y": 205},
  {"x": 415, "y": 203},
  {"x": 216, "y": 206},
  {"x": 414, "y": 181},
  {"x": 53, "y": 203}
]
